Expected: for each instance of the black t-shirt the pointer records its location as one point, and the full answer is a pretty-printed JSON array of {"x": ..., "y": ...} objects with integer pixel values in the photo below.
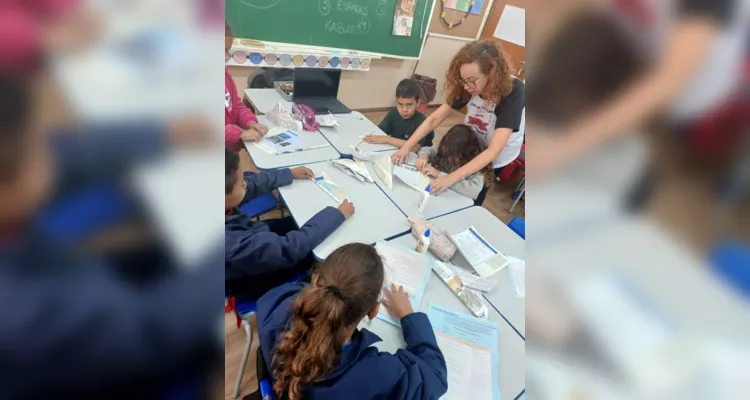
[
  {"x": 509, "y": 110},
  {"x": 720, "y": 10},
  {"x": 395, "y": 126}
]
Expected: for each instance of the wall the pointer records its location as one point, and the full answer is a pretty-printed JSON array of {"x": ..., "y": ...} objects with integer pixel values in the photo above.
[{"x": 376, "y": 88}]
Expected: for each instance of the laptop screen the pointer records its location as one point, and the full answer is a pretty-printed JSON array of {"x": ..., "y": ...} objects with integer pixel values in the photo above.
[{"x": 316, "y": 82}]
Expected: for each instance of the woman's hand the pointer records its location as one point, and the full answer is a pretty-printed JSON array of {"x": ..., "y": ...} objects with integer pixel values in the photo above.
[
  {"x": 442, "y": 183},
  {"x": 251, "y": 135},
  {"x": 260, "y": 128},
  {"x": 377, "y": 139},
  {"x": 400, "y": 156},
  {"x": 432, "y": 172},
  {"x": 421, "y": 162},
  {"x": 397, "y": 301}
]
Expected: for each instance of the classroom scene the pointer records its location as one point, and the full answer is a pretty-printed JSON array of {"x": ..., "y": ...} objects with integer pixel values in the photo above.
[{"x": 375, "y": 200}]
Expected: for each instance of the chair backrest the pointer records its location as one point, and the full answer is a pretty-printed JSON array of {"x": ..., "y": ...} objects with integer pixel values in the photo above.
[
  {"x": 518, "y": 225},
  {"x": 265, "y": 383}
]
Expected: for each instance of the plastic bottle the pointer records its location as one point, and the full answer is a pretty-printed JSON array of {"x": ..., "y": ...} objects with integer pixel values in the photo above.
[
  {"x": 424, "y": 242},
  {"x": 424, "y": 199}
]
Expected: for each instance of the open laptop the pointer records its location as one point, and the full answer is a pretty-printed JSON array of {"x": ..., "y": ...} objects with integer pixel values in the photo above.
[{"x": 318, "y": 88}]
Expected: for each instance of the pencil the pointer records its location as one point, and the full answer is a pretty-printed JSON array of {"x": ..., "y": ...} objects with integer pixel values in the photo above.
[{"x": 303, "y": 149}]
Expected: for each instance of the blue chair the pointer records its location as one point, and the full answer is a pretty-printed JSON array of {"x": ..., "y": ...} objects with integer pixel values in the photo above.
[
  {"x": 77, "y": 216},
  {"x": 260, "y": 205},
  {"x": 518, "y": 225},
  {"x": 731, "y": 262}
]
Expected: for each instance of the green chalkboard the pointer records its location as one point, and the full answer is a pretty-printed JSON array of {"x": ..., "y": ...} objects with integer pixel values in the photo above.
[{"x": 363, "y": 25}]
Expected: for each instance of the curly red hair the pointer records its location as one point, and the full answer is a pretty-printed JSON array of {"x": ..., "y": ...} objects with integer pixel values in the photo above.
[{"x": 493, "y": 62}]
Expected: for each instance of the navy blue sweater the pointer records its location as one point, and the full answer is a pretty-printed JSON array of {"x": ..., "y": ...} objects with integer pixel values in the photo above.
[
  {"x": 417, "y": 372},
  {"x": 253, "y": 249}
]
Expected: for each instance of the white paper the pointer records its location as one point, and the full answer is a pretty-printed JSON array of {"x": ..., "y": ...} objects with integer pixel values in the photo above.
[
  {"x": 383, "y": 167},
  {"x": 512, "y": 25},
  {"x": 474, "y": 281},
  {"x": 469, "y": 369},
  {"x": 404, "y": 268},
  {"x": 517, "y": 276},
  {"x": 337, "y": 193},
  {"x": 414, "y": 179},
  {"x": 484, "y": 258},
  {"x": 353, "y": 168}
]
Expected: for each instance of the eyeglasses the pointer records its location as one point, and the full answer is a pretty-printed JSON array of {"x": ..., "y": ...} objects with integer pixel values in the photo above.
[{"x": 469, "y": 84}]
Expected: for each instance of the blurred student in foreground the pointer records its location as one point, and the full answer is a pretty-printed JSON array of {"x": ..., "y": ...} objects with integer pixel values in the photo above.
[{"x": 70, "y": 325}]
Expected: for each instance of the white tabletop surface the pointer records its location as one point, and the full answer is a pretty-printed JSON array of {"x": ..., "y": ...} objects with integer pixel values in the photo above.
[
  {"x": 503, "y": 239},
  {"x": 264, "y": 100},
  {"x": 349, "y": 133},
  {"x": 511, "y": 347},
  {"x": 265, "y": 161},
  {"x": 376, "y": 217},
  {"x": 406, "y": 198}
]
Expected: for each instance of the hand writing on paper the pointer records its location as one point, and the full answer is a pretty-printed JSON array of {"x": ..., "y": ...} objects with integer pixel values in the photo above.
[
  {"x": 347, "y": 208},
  {"x": 431, "y": 171},
  {"x": 421, "y": 162},
  {"x": 251, "y": 135},
  {"x": 440, "y": 184},
  {"x": 397, "y": 301},
  {"x": 302, "y": 173},
  {"x": 377, "y": 139},
  {"x": 260, "y": 128}
]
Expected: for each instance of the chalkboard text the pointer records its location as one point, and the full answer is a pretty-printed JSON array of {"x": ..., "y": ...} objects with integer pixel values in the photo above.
[
  {"x": 343, "y": 28},
  {"x": 353, "y": 7}
]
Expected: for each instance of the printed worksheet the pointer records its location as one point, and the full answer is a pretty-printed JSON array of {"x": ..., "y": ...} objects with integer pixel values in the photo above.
[
  {"x": 469, "y": 346},
  {"x": 335, "y": 191},
  {"x": 410, "y": 176},
  {"x": 407, "y": 268},
  {"x": 484, "y": 258}
]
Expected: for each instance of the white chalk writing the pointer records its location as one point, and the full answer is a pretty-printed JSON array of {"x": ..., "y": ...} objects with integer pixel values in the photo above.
[
  {"x": 348, "y": 6},
  {"x": 343, "y": 28}
]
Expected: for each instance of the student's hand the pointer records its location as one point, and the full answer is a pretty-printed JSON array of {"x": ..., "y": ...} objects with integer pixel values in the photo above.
[
  {"x": 432, "y": 172},
  {"x": 260, "y": 128},
  {"x": 421, "y": 162},
  {"x": 347, "y": 208},
  {"x": 302, "y": 173},
  {"x": 189, "y": 131},
  {"x": 400, "y": 156},
  {"x": 397, "y": 301},
  {"x": 440, "y": 184},
  {"x": 251, "y": 135},
  {"x": 377, "y": 139}
]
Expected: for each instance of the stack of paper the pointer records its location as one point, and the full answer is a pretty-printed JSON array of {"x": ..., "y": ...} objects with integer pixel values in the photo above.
[
  {"x": 407, "y": 268},
  {"x": 383, "y": 167},
  {"x": 484, "y": 258},
  {"x": 354, "y": 169},
  {"x": 471, "y": 299},
  {"x": 469, "y": 346},
  {"x": 333, "y": 190},
  {"x": 410, "y": 176}
]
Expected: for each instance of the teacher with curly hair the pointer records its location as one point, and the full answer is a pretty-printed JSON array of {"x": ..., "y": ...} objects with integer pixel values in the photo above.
[{"x": 479, "y": 78}]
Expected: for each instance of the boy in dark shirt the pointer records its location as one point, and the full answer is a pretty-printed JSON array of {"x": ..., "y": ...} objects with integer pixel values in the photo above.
[{"x": 401, "y": 122}]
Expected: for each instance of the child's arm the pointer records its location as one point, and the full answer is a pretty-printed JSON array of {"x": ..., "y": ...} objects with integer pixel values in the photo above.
[
  {"x": 244, "y": 117},
  {"x": 266, "y": 252},
  {"x": 90, "y": 327},
  {"x": 264, "y": 182},
  {"x": 426, "y": 374},
  {"x": 469, "y": 187}
]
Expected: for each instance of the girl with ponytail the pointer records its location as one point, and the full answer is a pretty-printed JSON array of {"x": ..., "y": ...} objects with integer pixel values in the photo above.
[{"x": 309, "y": 335}]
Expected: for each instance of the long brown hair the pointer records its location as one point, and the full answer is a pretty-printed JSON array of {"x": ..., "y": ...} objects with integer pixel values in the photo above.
[
  {"x": 459, "y": 146},
  {"x": 346, "y": 288},
  {"x": 493, "y": 62}
]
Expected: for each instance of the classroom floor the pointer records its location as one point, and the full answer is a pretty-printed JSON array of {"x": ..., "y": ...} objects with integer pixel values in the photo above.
[{"x": 498, "y": 202}]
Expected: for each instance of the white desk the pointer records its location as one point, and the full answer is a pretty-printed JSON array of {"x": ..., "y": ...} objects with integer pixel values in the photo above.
[
  {"x": 351, "y": 127},
  {"x": 265, "y": 161},
  {"x": 511, "y": 347},
  {"x": 375, "y": 218},
  {"x": 264, "y": 100},
  {"x": 407, "y": 198},
  {"x": 505, "y": 240}
]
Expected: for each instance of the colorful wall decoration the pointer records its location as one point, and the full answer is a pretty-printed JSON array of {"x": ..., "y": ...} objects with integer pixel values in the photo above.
[{"x": 254, "y": 58}]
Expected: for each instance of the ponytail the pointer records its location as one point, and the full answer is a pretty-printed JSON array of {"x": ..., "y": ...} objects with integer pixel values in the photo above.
[{"x": 346, "y": 287}]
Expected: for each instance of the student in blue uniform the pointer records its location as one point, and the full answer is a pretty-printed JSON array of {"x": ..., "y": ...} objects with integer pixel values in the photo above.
[
  {"x": 70, "y": 326},
  {"x": 262, "y": 255},
  {"x": 309, "y": 335}
]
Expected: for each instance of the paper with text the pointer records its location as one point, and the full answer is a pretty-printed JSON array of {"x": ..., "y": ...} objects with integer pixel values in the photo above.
[
  {"x": 470, "y": 348},
  {"x": 407, "y": 268},
  {"x": 413, "y": 178},
  {"x": 484, "y": 258}
]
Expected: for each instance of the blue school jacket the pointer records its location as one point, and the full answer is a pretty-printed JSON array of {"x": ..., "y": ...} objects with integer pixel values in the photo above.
[
  {"x": 417, "y": 372},
  {"x": 253, "y": 249},
  {"x": 69, "y": 324}
]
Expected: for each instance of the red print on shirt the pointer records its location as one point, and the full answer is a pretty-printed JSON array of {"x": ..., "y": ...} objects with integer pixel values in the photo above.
[{"x": 482, "y": 125}]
